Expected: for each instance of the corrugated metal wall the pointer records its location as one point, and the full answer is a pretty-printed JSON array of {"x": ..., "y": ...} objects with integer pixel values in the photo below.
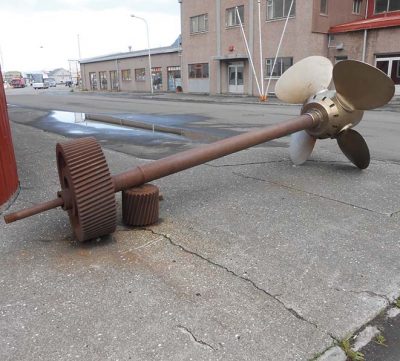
[{"x": 8, "y": 166}]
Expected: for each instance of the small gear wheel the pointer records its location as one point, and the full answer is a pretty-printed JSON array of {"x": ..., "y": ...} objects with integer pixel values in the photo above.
[
  {"x": 140, "y": 205},
  {"x": 87, "y": 188}
]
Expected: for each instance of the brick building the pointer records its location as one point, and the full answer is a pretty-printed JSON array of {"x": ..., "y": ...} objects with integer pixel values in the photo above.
[
  {"x": 129, "y": 71},
  {"x": 213, "y": 57}
]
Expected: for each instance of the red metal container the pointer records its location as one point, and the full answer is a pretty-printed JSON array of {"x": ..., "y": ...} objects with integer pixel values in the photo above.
[{"x": 8, "y": 166}]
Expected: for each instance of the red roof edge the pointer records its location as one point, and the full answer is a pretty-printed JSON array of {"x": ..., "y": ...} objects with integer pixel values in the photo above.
[{"x": 374, "y": 23}]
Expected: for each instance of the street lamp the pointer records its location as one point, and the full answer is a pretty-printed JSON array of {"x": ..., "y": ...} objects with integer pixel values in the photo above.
[{"x": 148, "y": 46}]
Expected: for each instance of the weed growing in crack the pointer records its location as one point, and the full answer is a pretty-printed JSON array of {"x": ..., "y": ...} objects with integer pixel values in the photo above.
[
  {"x": 380, "y": 340},
  {"x": 351, "y": 354},
  {"x": 397, "y": 303}
]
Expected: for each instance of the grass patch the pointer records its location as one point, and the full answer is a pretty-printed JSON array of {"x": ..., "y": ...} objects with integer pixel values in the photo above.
[
  {"x": 351, "y": 354},
  {"x": 380, "y": 340}
]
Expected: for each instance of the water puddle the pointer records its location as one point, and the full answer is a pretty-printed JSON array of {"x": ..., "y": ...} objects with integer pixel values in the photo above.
[{"x": 72, "y": 123}]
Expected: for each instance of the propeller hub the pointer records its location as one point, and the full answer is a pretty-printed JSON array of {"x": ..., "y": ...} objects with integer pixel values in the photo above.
[{"x": 335, "y": 114}]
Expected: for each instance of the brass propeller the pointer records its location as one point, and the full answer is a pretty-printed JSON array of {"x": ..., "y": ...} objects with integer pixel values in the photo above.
[
  {"x": 354, "y": 147},
  {"x": 359, "y": 87}
]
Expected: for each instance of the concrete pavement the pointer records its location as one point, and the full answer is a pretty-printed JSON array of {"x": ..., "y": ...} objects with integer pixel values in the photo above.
[
  {"x": 253, "y": 259},
  {"x": 213, "y": 98}
]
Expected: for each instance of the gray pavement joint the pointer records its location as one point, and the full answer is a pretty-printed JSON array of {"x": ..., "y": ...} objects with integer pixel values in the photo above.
[
  {"x": 311, "y": 194},
  {"x": 193, "y": 338},
  {"x": 370, "y": 293},
  {"x": 275, "y": 297}
]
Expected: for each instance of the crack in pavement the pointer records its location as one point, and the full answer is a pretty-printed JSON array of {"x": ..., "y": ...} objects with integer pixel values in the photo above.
[
  {"x": 394, "y": 214},
  {"x": 291, "y": 310},
  {"x": 202, "y": 343},
  {"x": 310, "y": 193},
  {"x": 370, "y": 293}
]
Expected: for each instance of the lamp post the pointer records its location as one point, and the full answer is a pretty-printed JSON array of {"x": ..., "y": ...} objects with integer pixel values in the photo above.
[{"x": 148, "y": 46}]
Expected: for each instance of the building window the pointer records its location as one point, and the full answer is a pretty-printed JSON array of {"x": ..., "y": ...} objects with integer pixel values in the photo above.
[
  {"x": 357, "y": 7},
  {"x": 199, "y": 24},
  {"x": 338, "y": 59},
  {"x": 103, "y": 80},
  {"x": 323, "y": 7},
  {"x": 198, "y": 71},
  {"x": 282, "y": 64},
  {"x": 277, "y": 9},
  {"x": 126, "y": 74},
  {"x": 156, "y": 73},
  {"x": 232, "y": 19},
  {"x": 382, "y": 6},
  {"x": 114, "y": 80},
  {"x": 93, "y": 81},
  {"x": 140, "y": 74},
  {"x": 331, "y": 40}
]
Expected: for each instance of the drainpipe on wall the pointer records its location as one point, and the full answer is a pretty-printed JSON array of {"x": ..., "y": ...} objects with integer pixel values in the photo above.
[
  {"x": 218, "y": 25},
  {"x": 365, "y": 35},
  {"x": 364, "y": 45},
  {"x": 251, "y": 43},
  {"x": 180, "y": 51},
  {"x": 117, "y": 68}
]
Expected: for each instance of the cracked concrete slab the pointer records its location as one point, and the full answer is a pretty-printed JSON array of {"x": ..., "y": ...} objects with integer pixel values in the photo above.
[{"x": 246, "y": 263}]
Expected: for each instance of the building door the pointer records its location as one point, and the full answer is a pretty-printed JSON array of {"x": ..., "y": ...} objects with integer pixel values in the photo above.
[
  {"x": 391, "y": 67},
  {"x": 114, "y": 80},
  {"x": 174, "y": 77},
  {"x": 235, "y": 78}
]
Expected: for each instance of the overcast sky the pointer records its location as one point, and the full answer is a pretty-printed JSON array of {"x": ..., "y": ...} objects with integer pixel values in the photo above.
[{"x": 43, "y": 34}]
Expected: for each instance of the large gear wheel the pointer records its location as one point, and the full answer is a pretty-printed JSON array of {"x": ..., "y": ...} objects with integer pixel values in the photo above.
[{"x": 87, "y": 188}]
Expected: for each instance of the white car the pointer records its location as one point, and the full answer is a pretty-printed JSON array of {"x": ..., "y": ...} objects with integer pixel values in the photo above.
[{"x": 40, "y": 85}]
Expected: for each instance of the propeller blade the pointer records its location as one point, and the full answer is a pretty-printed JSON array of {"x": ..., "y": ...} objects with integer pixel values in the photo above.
[
  {"x": 361, "y": 85},
  {"x": 304, "y": 79},
  {"x": 354, "y": 147},
  {"x": 301, "y": 146}
]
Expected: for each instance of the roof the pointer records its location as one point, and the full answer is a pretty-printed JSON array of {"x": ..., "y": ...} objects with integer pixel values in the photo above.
[
  {"x": 365, "y": 24},
  {"x": 134, "y": 54}
]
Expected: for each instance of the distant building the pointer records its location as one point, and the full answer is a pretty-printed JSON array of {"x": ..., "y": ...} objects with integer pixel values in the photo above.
[
  {"x": 10, "y": 75},
  {"x": 129, "y": 71},
  {"x": 60, "y": 75}
]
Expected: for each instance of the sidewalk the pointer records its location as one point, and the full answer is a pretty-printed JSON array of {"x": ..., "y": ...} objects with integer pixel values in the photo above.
[
  {"x": 217, "y": 98},
  {"x": 253, "y": 259}
]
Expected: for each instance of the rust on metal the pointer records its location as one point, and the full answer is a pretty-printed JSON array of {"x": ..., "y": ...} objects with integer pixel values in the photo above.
[
  {"x": 87, "y": 188},
  {"x": 28, "y": 212},
  {"x": 193, "y": 157},
  {"x": 8, "y": 165},
  {"x": 140, "y": 205}
]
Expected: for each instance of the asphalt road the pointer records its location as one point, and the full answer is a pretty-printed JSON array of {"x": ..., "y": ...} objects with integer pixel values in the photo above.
[
  {"x": 207, "y": 121},
  {"x": 253, "y": 259}
]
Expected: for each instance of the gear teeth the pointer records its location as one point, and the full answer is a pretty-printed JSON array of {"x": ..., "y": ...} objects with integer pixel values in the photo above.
[
  {"x": 83, "y": 169},
  {"x": 140, "y": 205}
]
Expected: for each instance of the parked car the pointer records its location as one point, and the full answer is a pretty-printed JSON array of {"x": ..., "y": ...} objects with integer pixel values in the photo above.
[
  {"x": 52, "y": 82},
  {"x": 18, "y": 83}
]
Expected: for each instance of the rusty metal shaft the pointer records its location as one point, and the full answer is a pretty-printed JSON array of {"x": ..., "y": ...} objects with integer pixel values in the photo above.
[
  {"x": 193, "y": 157},
  {"x": 38, "y": 208},
  {"x": 187, "y": 159}
]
